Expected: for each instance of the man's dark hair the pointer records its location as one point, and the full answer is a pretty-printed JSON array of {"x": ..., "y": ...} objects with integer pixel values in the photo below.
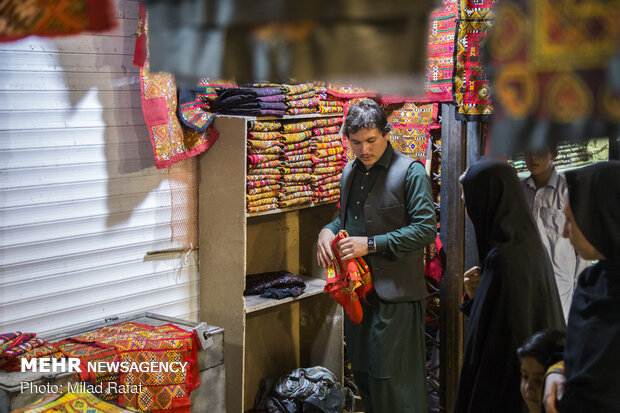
[
  {"x": 366, "y": 114},
  {"x": 546, "y": 346}
]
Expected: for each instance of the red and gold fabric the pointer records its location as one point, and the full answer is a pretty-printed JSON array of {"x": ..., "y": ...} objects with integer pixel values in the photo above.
[
  {"x": 259, "y": 183},
  {"x": 303, "y": 103},
  {"x": 287, "y": 203},
  {"x": 298, "y": 89},
  {"x": 264, "y": 136},
  {"x": 329, "y": 130},
  {"x": 262, "y": 189},
  {"x": 440, "y": 52},
  {"x": 305, "y": 95},
  {"x": 348, "y": 281},
  {"x": 328, "y": 110},
  {"x": 263, "y": 201},
  {"x": 74, "y": 402},
  {"x": 262, "y": 208}
]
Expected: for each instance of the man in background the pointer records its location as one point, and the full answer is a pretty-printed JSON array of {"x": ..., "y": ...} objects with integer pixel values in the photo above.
[{"x": 543, "y": 192}]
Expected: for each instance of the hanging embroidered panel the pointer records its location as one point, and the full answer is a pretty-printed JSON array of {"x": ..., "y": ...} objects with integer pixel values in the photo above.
[
  {"x": 440, "y": 52},
  {"x": 173, "y": 137},
  {"x": 472, "y": 93},
  {"x": 555, "y": 72},
  {"x": 412, "y": 124}
]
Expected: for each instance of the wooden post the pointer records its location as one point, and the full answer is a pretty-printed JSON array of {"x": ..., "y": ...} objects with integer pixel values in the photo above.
[{"x": 453, "y": 156}]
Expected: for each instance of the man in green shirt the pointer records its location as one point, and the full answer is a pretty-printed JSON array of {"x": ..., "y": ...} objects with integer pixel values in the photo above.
[{"x": 387, "y": 210}]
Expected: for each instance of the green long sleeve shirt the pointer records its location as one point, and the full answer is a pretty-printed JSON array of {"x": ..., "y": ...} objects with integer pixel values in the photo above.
[{"x": 418, "y": 194}]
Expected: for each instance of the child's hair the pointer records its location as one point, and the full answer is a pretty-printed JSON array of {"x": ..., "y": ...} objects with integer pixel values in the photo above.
[{"x": 546, "y": 346}]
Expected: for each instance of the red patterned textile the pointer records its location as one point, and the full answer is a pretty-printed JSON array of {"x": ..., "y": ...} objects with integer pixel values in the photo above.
[
  {"x": 348, "y": 281},
  {"x": 135, "y": 342},
  {"x": 171, "y": 141},
  {"x": 472, "y": 93},
  {"x": 412, "y": 124},
  {"x": 440, "y": 51},
  {"x": 19, "y": 18}
]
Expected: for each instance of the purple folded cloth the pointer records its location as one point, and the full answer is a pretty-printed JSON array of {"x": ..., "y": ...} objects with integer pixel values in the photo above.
[{"x": 255, "y": 112}]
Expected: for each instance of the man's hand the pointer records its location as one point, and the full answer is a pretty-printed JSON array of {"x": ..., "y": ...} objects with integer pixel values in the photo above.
[
  {"x": 353, "y": 247},
  {"x": 471, "y": 279},
  {"x": 554, "y": 389},
  {"x": 323, "y": 248}
]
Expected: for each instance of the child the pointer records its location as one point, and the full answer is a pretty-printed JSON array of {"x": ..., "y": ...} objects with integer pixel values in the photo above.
[
  {"x": 543, "y": 193},
  {"x": 536, "y": 354}
]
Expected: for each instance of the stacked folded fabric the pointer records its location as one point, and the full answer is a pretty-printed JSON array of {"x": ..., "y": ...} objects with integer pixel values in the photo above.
[
  {"x": 327, "y": 159},
  {"x": 250, "y": 101},
  {"x": 17, "y": 345},
  {"x": 300, "y": 99},
  {"x": 295, "y": 186},
  {"x": 264, "y": 165},
  {"x": 328, "y": 104}
]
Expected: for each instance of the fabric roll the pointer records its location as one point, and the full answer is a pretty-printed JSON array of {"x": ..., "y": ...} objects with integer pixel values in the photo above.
[
  {"x": 264, "y": 201},
  {"x": 265, "y": 171},
  {"x": 263, "y": 126},
  {"x": 303, "y": 151},
  {"x": 288, "y": 138},
  {"x": 261, "y": 208},
  {"x": 295, "y": 188},
  {"x": 294, "y": 202},
  {"x": 327, "y": 170},
  {"x": 261, "y": 183},
  {"x": 301, "y": 111},
  {"x": 297, "y": 89},
  {"x": 269, "y": 164},
  {"x": 297, "y": 126},
  {"x": 262, "y": 189},
  {"x": 262, "y": 195},
  {"x": 328, "y": 186},
  {"x": 296, "y": 178},
  {"x": 293, "y": 195},
  {"x": 327, "y": 138},
  {"x": 300, "y": 164},
  {"x": 255, "y": 159},
  {"x": 263, "y": 177},
  {"x": 328, "y": 180},
  {"x": 297, "y": 145},
  {"x": 328, "y": 145},
  {"x": 305, "y": 95},
  {"x": 328, "y": 130},
  {"x": 302, "y": 103},
  {"x": 299, "y": 158},
  {"x": 329, "y": 109},
  {"x": 319, "y": 153},
  {"x": 264, "y": 136},
  {"x": 325, "y": 122},
  {"x": 307, "y": 170},
  {"x": 271, "y": 150},
  {"x": 259, "y": 144}
]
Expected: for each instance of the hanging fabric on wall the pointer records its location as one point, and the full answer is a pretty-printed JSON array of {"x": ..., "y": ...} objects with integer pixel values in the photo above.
[
  {"x": 555, "y": 67},
  {"x": 472, "y": 93},
  {"x": 19, "y": 18},
  {"x": 412, "y": 124},
  {"x": 438, "y": 86},
  {"x": 172, "y": 139}
]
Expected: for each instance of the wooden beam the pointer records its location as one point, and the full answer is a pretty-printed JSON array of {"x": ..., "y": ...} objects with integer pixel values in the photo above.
[{"x": 452, "y": 235}]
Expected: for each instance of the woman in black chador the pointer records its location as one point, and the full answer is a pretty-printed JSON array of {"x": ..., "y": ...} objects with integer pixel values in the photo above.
[
  {"x": 592, "y": 352},
  {"x": 516, "y": 297}
]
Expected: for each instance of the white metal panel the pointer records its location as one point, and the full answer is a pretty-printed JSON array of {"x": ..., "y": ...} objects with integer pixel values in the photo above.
[{"x": 81, "y": 202}]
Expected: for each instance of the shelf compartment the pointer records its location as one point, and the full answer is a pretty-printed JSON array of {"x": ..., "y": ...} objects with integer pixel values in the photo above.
[{"x": 314, "y": 286}]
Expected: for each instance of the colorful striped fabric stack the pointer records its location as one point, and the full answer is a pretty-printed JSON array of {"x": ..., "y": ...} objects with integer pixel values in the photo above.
[
  {"x": 264, "y": 165},
  {"x": 295, "y": 183},
  {"x": 327, "y": 156},
  {"x": 328, "y": 104},
  {"x": 300, "y": 99}
]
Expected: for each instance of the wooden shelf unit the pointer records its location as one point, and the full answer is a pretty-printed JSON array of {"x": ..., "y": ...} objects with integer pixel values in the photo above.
[{"x": 262, "y": 337}]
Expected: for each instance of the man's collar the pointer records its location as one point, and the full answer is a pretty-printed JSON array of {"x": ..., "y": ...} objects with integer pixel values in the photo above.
[
  {"x": 552, "y": 182},
  {"x": 384, "y": 160}
]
